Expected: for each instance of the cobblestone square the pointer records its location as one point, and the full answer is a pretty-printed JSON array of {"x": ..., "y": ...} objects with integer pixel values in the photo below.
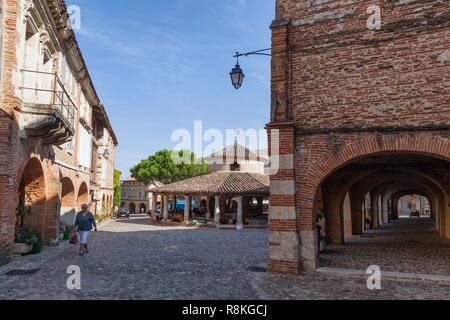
[{"x": 130, "y": 259}]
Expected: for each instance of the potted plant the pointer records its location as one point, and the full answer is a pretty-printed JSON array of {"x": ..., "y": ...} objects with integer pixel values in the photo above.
[
  {"x": 22, "y": 212},
  {"x": 27, "y": 241}
]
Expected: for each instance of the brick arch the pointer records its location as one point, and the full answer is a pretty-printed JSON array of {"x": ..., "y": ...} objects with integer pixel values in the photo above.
[
  {"x": 340, "y": 190},
  {"x": 30, "y": 156},
  {"x": 362, "y": 184},
  {"x": 398, "y": 178},
  {"x": 83, "y": 195},
  {"x": 32, "y": 193},
  {"x": 410, "y": 188},
  {"x": 403, "y": 193},
  {"x": 68, "y": 193},
  {"x": 436, "y": 146}
]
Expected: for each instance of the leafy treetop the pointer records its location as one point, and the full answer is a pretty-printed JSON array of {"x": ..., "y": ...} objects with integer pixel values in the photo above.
[{"x": 168, "y": 166}]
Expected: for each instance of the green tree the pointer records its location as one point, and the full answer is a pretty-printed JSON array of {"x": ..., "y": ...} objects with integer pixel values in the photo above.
[
  {"x": 117, "y": 188},
  {"x": 168, "y": 167}
]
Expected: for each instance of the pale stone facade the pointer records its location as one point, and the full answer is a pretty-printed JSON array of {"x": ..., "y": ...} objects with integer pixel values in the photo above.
[
  {"x": 136, "y": 196},
  {"x": 57, "y": 146}
]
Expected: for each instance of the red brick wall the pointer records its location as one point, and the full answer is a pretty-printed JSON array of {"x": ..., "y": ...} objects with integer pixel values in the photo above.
[
  {"x": 7, "y": 190},
  {"x": 347, "y": 76},
  {"x": 351, "y": 92}
]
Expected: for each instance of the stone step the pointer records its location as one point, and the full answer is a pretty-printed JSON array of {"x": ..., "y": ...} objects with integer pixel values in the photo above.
[{"x": 388, "y": 275}]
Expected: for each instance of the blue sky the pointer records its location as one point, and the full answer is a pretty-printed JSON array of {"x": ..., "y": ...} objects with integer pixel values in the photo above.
[{"x": 161, "y": 65}]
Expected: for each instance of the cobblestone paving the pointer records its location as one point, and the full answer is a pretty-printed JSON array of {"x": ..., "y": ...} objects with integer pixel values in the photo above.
[
  {"x": 405, "y": 246},
  {"x": 319, "y": 287},
  {"x": 132, "y": 260}
]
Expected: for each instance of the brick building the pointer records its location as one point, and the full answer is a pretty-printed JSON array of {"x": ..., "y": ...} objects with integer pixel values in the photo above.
[
  {"x": 362, "y": 115},
  {"x": 57, "y": 146}
]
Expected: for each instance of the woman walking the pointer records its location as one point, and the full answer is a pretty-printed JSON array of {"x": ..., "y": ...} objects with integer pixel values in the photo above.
[{"x": 84, "y": 224}]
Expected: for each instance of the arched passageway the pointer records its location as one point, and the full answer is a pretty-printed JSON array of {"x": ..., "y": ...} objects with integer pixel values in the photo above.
[
  {"x": 411, "y": 204},
  {"x": 32, "y": 197},
  {"x": 377, "y": 206}
]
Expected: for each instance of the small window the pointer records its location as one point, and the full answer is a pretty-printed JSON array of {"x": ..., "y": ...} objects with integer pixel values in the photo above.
[
  {"x": 30, "y": 32},
  {"x": 47, "y": 57}
]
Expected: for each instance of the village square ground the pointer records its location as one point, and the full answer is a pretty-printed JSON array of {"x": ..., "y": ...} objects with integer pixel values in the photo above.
[{"x": 130, "y": 259}]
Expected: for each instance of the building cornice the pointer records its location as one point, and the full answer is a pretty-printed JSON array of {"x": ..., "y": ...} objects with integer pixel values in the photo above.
[{"x": 357, "y": 128}]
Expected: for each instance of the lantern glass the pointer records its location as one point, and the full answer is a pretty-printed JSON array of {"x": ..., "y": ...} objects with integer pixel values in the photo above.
[{"x": 237, "y": 77}]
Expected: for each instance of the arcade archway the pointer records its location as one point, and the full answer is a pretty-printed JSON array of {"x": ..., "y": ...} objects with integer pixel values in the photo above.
[
  {"x": 32, "y": 197},
  {"x": 361, "y": 205}
]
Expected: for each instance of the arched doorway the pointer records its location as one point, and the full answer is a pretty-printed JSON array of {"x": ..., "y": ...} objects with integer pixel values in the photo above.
[
  {"x": 361, "y": 204},
  {"x": 412, "y": 204},
  {"x": 83, "y": 195},
  {"x": 68, "y": 202},
  {"x": 32, "y": 197},
  {"x": 142, "y": 208}
]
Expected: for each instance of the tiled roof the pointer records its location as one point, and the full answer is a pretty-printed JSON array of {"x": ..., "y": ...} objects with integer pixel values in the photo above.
[
  {"x": 216, "y": 183},
  {"x": 236, "y": 153}
]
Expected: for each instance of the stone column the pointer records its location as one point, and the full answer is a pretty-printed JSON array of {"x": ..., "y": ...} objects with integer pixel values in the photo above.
[
  {"x": 375, "y": 211},
  {"x": 166, "y": 208},
  {"x": 240, "y": 211},
  {"x": 208, "y": 210},
  {"x": 293, "y": 245},
  {"x": 154, "y": 206},
  {"x": 260, "y": 206},
  {"x": 335, "y": 219},
  {"x": 385, "y": 208},
  {"x": 347, "y": 217},
  {"x": 217, "y": 210},
  {"x": 357, "y": 214},
  {"x": 50, "y": 228},
  {"x": 187, "y": 208}
]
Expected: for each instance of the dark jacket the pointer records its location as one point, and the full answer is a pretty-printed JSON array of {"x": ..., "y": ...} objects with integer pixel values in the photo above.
[{"x": 85, "y": 222}]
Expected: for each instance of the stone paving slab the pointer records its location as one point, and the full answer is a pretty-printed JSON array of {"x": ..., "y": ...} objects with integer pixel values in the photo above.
[
  {"x": 408, "y": 246},
  {"x": 130, "y": 259},
  {"x": 416, "y": 277},
  {"x": 328, "y": 287}
]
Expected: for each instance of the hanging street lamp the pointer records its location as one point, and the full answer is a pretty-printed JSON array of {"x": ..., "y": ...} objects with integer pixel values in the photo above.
[{"x": 237, "y": 75}]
